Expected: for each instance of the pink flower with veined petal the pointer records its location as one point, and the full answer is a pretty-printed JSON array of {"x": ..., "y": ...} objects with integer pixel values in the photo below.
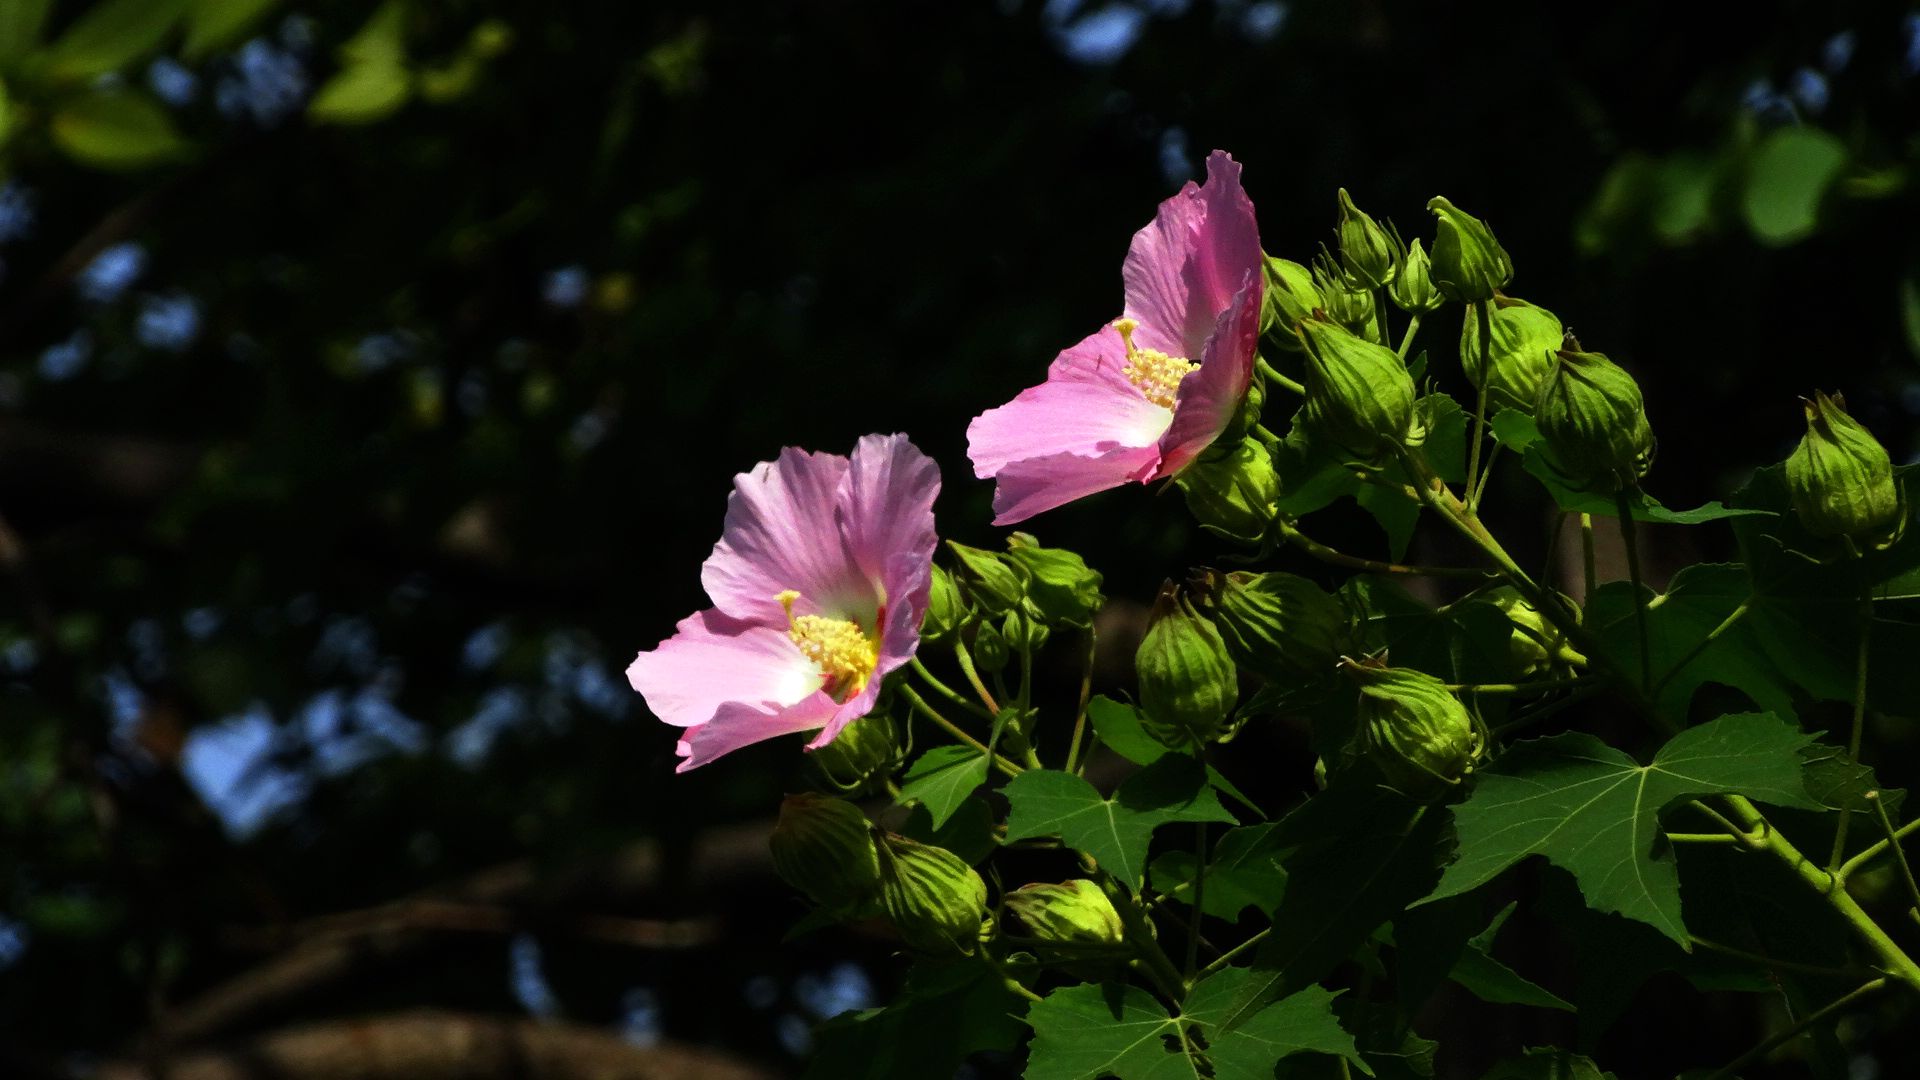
[
  {"x": 1139, "y": 399},
  {"x": 818, "y": 583}
]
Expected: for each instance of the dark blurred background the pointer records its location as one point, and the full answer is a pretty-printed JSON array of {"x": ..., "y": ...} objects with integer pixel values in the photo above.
[{"x": 372, "y": 378}]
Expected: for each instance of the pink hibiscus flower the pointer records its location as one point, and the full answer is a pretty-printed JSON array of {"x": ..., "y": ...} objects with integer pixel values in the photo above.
[
  {"x": 1140, "y": 398},
  {"x": 818, "y": 583}
]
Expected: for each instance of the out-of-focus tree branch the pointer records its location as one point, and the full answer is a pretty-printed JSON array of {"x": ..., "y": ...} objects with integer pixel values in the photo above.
[
  {"x": 519, "y": 894},
  {"x": 430, "y": 1045}
]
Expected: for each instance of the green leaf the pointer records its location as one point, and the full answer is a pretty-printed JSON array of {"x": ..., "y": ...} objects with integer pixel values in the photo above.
[
  {"x": 1837, "y": 783},
  {"x": 942, "y": 778},
  {"x": 1517, "y": 431},
  {"x": 361, "y": 93},
  {"x": 1591, "y": 810},
  {"x": 946, "y": 1012},
  {"x": 1359, "y": 855},
  {"x": 1786, "y": 180},
  {"x": 1396, "y": 514},
  {"x": 1091, "y": 1031},
  {"x": 1118, "y": 725},
  {"x": 1244, "y": 872},
  {"x": 213, "y": 25},
  {"x": 111, "y": 35},
  {"x": 1547, "y": 1063},
  {"x": 116, "y": 129},
  {"x": 969, "y": 833},
  {"x": 1698, "y": 600},
  {"x": 1467, "y": 642},
  {"x": 21, "y": 22},
  {"x": 1492, "y": 981},
  {"x": 1116, "y": 831},
  {"x": 1446, "y": 446},
  {"x": 1299, "y": 1023}
]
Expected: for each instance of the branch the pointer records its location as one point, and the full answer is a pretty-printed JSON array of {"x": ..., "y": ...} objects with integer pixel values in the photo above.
[
  {"x": 432, "y": 1045},
  {"x": 327, "y": 951}
]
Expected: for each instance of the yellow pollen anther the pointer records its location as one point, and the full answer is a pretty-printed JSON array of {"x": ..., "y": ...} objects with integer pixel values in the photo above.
[
  {"x": 838, "y": 647},
  {"x": 1154, "y": 372}
]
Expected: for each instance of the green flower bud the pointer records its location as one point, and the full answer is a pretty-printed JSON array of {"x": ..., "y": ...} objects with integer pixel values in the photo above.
[
  {"x": 1291, "y": 297},
  {"x": 1060, "y": 586},
  {"x": 865, "y": 750},
  {"x": 930, "y": 895},
  {"x": 994, "y": 582},
  {"x": 1359, "y": 395},
  {"x": 1524, "y": 338},
  {"x": 1413, "y": 290},
  {"x": 1413, "y": 730},
  {"x": 1233, "y": 494},
  {"x": 1537, "y": 647},
  {"x": 1369, "y": 254},
  {"x": 1593, "y": 423},
  {"x": 1023, "y": 631},
  {"x": 946, "y": 609},
  {"x": 991, "y": 650},
  {"x": 824, "y": 847},
  {"x": 1468, "y": 263},
  {"x": 1279, "y": 626},
  {"x": 1840, "y": 479},
  {"x": 1187, "y": 680},
  {"x": 1344, "y": 302},
  {"x": 1071, "y": 913}
]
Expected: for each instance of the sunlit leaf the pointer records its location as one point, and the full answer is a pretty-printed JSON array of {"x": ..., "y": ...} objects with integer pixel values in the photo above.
[
  {"x": 1116, "y": 831},
  {"x": 1787, "y": 179},
  {"x": 117, "y": 129},
  {"x": 112, "y": 34},
  {"x": 1593, "y": 811},
  {"x": 942, "y": 778}
]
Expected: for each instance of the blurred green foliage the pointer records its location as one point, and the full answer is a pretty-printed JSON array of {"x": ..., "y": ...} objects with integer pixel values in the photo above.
[{"x": 488, "y": 303}]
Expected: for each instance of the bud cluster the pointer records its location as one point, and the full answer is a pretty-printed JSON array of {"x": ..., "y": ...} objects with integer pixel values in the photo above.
[{"x": 826, "y": 848}]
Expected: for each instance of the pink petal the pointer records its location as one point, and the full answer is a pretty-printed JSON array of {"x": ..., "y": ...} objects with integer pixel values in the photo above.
[
  {"x": 1184, "y": 269},
  {"x": 1086, "y": 408},
  {"x": 1210, "y": 396},
  {"x": 1025, "y": 488},
  {"x": 781, "y": 533},
  {"x": 713, "y": 661},
  {"x": 738, "y": 724},
  {"x": 886, "y": 512}
]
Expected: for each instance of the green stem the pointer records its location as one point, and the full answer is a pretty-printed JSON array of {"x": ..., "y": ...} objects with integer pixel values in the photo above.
[
  {"x": 952, "y": 696},
  {"x": 973, "y": 678},
  {"x": 1859, "y": 722},
  {"x": 1406, "y": 339},
  {"x": 1586, "y": 555},
  {"x": 1086, "y": 695},
  {"x": 1272, "y": 376},
  {"x": 1380, "y": 302},
  {"x": 1732, "y": 1068},
  {"x": 1442, "y": 502},
  {"x": 1226, "y": 958},
  {"x": 1702, "y": 838},
  {"x": 1294, "y": 536},
  {"x": 1886, "y": 825},
  {"x": 1733, "y": 831},
  {"x": 1693, "y": 654},
  {"x": 928, "y": 711},
  {"x": 1768, "y": 961},
  {"x": 1006, "y": 977},
  {"x": 1627, "y": 536},
  {"x": 1539, "y": 687},
  {"x": 1199, "y": 899},
  {"x": 1480, "y": 492},
  {"x": 1893, "y": 959},
  {"x": 1482, "y": 312},
  {"x": 1539, "y": 713},
  {"x": 1153, "y": 960},
  {"x": 1025, "y": 701},
  {"x": 1851, "y": 866}
]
